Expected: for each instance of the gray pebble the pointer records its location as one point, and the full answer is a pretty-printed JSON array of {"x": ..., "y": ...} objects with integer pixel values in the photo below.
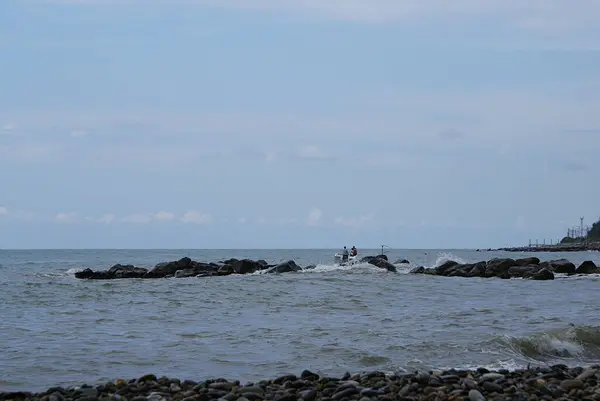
[{"x": 475, "y": 395}]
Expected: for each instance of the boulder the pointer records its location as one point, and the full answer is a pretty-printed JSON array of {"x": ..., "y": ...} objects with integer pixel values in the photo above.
[
  {"x": 442, "y": 269},
  {"x": 523, "y": 271},
  {"x": 402, "y": 262},
  {"x": 497, "y": 267},
  {"x": 544, "y": 274},
  {"x": 285, "y": 267},
  {"x": 587, "y": 267},
  {"x": 115, "y": 272},
  {"x": 559, "y": 266},
  {"x": 382, "y": 264},
  {"x": 527, "y": 261}
]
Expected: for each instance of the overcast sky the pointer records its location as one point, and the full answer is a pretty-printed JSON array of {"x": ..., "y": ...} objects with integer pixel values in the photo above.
[{"x": 297, "y": 123}]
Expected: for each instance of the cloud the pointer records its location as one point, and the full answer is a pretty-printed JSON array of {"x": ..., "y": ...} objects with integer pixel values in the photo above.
[
  {"x": 355, "y": 222},
  {"x": 7, "y": 129},
  {"x": 538, "y": 16},
  {"x": 137, "y": 218},
  {"x": 163, "y": 216},
  {"x": 313, "y": 152},
  {"x": 66, "y": 217},
  {"x": 78, "y": 133},
  {"x": 195, "y": 217},
  {"x": 3, "y": 211},
  {"x": 314, "y": 217},
  {"x": 107, "y": 218},
  {"x": 451, "y": 134}
]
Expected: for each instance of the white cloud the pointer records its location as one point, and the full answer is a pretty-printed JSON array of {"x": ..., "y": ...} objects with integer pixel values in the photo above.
[
  {"x": 137, "y": 218},
  {"x": 313, "y": 152},
  {"x": 314, "y": 217},
  {"x": 7, "y": 129},
  {"x": 355, "y": 222},
  {"x": 106, "y": 218},
  {"x": 195, "y": 217},
  {"x": 3, "y": 211},
  {"x": 66, "y": 217},
  {"x": 545, "y": 16},
  {"x": 163, "y": 216},
  {"x": 78, "y": 133}
]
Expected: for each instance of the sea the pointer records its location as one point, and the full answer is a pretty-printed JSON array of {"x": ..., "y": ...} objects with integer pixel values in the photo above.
[{"x": 56, "y": 330}]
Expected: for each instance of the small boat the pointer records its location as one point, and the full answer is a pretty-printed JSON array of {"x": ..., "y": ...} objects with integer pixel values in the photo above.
[{"x": 338, "y": 260}]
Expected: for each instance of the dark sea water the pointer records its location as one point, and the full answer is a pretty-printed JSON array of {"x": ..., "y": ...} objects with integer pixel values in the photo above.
[{"x": 57, "y": 330}]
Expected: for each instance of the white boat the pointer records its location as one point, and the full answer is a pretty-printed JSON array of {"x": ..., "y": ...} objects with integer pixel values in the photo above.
[{"x": 338, "y": 259}]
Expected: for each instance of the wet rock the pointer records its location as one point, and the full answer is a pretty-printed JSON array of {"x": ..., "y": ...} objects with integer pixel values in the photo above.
[
  {"x": 587, "y": 267},
  {"x": 543, "y": 274},
  {"x": 382, "y": 264}
]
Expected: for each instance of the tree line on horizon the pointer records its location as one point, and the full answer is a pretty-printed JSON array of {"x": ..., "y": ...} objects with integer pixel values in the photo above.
[{"x": 592, "y": 235}]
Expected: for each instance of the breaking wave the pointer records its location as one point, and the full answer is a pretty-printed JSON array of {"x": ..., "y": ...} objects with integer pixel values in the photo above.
[{"x": 581, "y": 343}]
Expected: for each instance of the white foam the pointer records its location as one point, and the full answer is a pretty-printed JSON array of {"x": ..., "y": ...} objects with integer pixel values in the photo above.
[
  {"x": 447, "y": 256},
  {"x": 71, "y": 272},
  {"x": 322, "y": 268}
]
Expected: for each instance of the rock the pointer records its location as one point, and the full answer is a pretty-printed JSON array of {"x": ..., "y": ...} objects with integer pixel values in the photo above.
[
  {"x": 496, "y": 267},
  {"x": 544, "y": 383},
  {"x": 382, "y": 264},
  {"x": 285, "y": 267},
  {"x": 475, "y": 395},
  {"x": 559, "y": 266},
  {"x": 543, "y": 274},
  {"x": 185, "y": 267},
  {"x": 506, "y": 268},
  {"x": 418, "y": 270},
  {"x": 527, "y": 261},
  {"x": 444, "y": 267},
  {"x": 523, "y": 270},
  {"x": 402, "y": 262},
  {"x": 587, "y": 267}
]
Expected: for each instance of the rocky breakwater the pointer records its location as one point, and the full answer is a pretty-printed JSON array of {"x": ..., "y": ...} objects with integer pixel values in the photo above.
[
  {"x": 548, "y": 383},
  {"x": 186, "y": 267},
  {"x": 528, "y": 268}
]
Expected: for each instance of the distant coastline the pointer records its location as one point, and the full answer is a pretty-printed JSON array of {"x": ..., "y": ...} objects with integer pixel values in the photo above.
[{"x": 577, "y": 247}]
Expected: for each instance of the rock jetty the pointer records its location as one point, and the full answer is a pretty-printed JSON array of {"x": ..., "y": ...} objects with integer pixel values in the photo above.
[
  {"x": 577, "y": 247},
  {"x": 529, "y": 268},
  {"x": 548, "y": 383},
  {"x": 186, "y": 267}
]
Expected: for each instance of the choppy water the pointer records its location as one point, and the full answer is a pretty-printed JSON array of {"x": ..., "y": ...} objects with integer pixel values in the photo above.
[{"x": 57, "y": 330}]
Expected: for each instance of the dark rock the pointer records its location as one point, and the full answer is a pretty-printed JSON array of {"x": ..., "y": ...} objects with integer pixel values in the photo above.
[
  {"x": 543, "y": 274},
  {"x": 444, "y": 267},
  {"x": 402, "y": 262},
  {"x": 418, "y": 270},
  {"x": 382, "y": 264},
  {"x": 285, "y": 267},
  {"x": 496, "y": 267},
  {"x": 527, "y": 261},
  {"x": 559, "y": 266},
  {"x": 246, "y": 266},
  {"x": 587, "y": 267},
  {"x": 523, "y": 271}
]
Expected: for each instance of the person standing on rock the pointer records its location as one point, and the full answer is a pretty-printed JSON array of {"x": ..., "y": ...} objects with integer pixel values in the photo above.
[{"x": 353, "y": 251}]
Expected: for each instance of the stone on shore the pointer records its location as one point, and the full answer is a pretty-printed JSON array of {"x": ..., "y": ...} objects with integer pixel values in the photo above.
[
  {"x": 556, "y": 382},
  {"x": 527, "y": 268}
]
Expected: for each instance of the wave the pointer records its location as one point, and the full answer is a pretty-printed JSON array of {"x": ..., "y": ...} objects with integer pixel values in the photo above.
[{"x": 581, "y": 343}]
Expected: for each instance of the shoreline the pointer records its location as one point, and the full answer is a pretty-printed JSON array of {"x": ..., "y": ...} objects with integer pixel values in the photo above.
[
  {"x": 552, "y": 382},
  {"x": 579, "y": 247}
]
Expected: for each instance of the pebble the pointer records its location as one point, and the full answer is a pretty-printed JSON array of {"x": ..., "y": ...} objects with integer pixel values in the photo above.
[{"x": 549, "y": 383}]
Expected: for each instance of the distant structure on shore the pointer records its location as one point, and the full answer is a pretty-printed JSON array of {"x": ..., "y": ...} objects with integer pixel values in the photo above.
[{"x": 579, "y": 238}]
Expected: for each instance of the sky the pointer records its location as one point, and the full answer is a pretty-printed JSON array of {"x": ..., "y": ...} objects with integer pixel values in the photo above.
[{"x": 297, "y": 123}]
